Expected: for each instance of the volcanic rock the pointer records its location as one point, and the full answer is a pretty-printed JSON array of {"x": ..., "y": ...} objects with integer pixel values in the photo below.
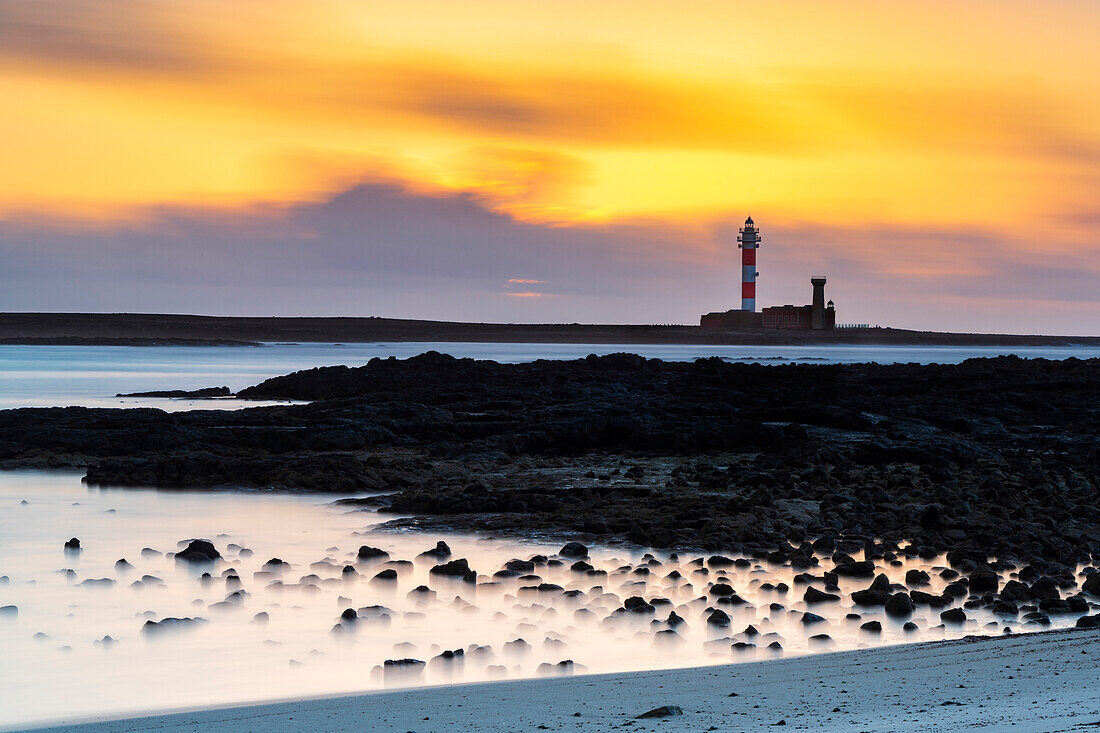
[
  {"x": 199, "y": 551},
  {"x": 459, "y": 568},
  {"x": 953, "y": 616},
  {"x": 899, "y": 604}
]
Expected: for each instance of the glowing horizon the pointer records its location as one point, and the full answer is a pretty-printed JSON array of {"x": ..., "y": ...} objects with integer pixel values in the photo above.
[{"x": 965, "y": 127}]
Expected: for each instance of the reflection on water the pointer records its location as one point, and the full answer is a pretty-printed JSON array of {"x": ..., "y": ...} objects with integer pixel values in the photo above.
[
  {"x": 58, "y": 376},
  {"x": 323, "y": 620}
]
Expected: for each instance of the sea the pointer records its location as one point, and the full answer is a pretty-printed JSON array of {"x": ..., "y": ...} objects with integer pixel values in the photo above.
[
  {"x": 92, "y": 376},
  {"x": 80, "y": 632}
]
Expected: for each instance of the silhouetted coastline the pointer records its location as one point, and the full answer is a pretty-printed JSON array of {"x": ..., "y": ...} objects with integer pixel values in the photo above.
[
  {"x": 991, "y": 457},
  {"x": 137, "y": 329}
]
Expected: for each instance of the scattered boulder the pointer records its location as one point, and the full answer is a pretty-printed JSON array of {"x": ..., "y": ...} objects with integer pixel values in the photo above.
[
  {"x": 199, "y": 551},
  {"x": 718, "y": 617},
  {"x": 403, "y": 667},
  {"x": 953, "y": 616},
  {"x": 637, "y": 604},
  {"x": 521, "y": 566},
  {"x": 1077, "y": 604},
  {"x": 899, "y": 604},
  {"x": 98, "y": 583},
  {"x": 870, "y": 597},
  {"x": 1089, "y": 622},
  {"x": 420, "y": 593},
  {"x": 455, "y": 569},
  {"x": 882, "y": 584},
  {"x": 856, "y": 569},
  {"x": 665, "y": 711},
  {"x": 984, "y": 580},
  {"x": 1045, "y": 588},
  {"x": 170, "y": 624},
  {"x": 1001, "y": 607},
  {"x": 813, "y": 595},
  {"x": 573, "y": 551},
  {"x": 1016, "y": 591},
  {"x": 441, "y": 551},
  {"x": 366, "y": 552},
  {"x": 1091, "y": 584},
  {"x": 917, "y": 577},
  {"x": 1037, "y": 618}
]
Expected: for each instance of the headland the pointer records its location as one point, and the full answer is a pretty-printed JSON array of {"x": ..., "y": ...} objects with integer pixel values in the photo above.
[{"x": 143, "y": 329}]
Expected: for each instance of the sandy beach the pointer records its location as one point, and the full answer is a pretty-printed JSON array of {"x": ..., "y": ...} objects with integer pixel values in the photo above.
[{"x": 1029, "y": 682}]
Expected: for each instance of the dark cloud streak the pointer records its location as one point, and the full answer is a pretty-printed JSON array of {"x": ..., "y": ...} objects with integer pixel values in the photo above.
[
  {"x": 378, "y": 249},
  {"x": 120, "y": 34}
]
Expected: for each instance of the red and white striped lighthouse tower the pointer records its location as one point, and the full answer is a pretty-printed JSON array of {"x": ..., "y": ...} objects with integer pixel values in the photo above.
[{"x": 748, "y": 240}]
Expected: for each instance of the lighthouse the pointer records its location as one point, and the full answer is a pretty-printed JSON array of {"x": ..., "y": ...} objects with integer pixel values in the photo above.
[
  {"x": 748, "y": 240},
  {"x": 818, "y": 316}
]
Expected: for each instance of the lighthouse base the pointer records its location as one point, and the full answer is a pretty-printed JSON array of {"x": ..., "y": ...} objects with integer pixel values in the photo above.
[{"x": 732, "y": 319}]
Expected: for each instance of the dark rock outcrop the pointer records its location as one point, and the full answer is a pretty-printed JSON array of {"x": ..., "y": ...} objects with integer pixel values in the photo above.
[
  {"x": 179, "y": 394},
  {"x": 480, "y": 445}
]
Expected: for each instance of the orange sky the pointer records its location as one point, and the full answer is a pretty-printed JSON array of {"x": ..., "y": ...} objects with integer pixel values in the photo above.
[{"x": 978, "y": 117}]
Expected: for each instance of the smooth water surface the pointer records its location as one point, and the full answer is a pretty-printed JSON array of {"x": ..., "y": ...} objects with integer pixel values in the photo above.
[
  {"x": 91, "y": 376},
  {"x": 74, "y": 646}
]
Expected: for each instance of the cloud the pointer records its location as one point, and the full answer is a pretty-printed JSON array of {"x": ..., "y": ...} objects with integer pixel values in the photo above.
[
  {"x": 379, "y": 248},
  {"x": 524, "y": 281},
  {"x": 621, "y": 101},
  {"x": 133, "y": 35},
  {"x": 372, "y": 248}
]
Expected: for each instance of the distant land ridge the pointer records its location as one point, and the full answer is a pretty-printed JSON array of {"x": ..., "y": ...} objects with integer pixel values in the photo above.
[{"x": 144, "y": 329}]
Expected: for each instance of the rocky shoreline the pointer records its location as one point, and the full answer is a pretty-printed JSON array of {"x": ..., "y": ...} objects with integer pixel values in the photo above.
[{"x": 989, "y": 458}]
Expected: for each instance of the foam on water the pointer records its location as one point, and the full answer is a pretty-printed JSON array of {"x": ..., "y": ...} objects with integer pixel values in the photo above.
[{"x": 57, "y": 664}]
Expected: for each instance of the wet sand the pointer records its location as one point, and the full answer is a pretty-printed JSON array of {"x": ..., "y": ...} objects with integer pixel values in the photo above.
[
  {"x": 1030, "y": 682},
  {"x": 139, "y": 329}
]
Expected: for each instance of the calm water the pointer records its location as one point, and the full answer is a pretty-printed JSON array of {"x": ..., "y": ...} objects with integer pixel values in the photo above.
[
  {"x": 52, "y": 376},
  {"x": 56, "y": 663}
]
